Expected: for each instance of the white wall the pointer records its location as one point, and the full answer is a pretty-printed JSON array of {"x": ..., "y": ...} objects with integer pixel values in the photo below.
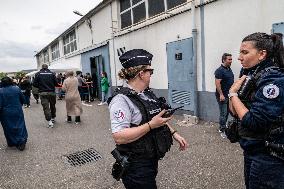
[
  {"x": 74, "y": 62},
  {"x": 228, "y": 22},
  {"x": 101, "y": 26},
  {"x": 154, "y": 38}
]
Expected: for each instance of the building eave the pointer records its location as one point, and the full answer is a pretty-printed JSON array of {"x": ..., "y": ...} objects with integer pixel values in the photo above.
[{"x": 100, "y": 6}]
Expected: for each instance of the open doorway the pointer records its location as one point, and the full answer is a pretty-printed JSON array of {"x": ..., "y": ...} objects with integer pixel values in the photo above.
[{"x": 97, "y": 67}]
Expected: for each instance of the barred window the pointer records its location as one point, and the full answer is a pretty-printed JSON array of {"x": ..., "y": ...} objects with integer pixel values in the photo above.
[
  {"x": 139, "y": 13},
  {"x": 126, "y": 19},
  {"x": 156, "y": 7},
  {"x": 69, "y": 42},
  {"x": 55, "y": 51},
  {"x": 134, "y": 2},
  {"x": 124, "y": 4},
  {"x": 174, "y": 3},
  {"x": 134, "y": 11}
]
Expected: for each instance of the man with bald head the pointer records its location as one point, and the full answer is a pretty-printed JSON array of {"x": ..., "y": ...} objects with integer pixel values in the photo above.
[{"x": 45, "y": 81}]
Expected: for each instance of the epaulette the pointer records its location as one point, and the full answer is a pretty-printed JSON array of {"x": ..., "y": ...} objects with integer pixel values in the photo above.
[
  {"x": 125, "y": 91},
  {"x": 122, "y": 90}
]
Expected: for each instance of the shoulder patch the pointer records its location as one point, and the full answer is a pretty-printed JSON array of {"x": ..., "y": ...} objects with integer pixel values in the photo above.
[
  {"x": 119, "y": 115},
  {"x": 270, "y": 91}
]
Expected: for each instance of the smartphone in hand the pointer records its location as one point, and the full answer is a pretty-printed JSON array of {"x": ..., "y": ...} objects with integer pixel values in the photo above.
[{"x": 171, "y": 111}]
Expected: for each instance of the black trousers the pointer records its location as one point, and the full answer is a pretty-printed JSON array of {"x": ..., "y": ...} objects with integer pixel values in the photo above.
[
  {"x": 77, "y": 118},
  {"x": 48, "y": 101},
  {"x": 141, "y": 174}
]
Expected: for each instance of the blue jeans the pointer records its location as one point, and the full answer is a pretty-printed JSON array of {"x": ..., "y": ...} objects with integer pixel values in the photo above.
[
  {"x": 27, "y": 100},
  {"x": 223, "y": 108},
  {"x": 104, "y": 96},
  {"x": 141, "y": 174},
  {"x": 263, "y": 171}
]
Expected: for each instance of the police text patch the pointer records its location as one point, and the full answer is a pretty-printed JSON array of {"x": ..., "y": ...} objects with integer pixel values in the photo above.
[
  {"x": 119, "y": 115},
  {"x": 271, "y": 91}
]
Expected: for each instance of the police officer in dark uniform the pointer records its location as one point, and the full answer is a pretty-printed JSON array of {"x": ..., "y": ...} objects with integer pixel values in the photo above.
[
  {"x": 45, "y": 81},
  {"x": 141, "y": 133},
  {"x": 257, "y": 101}
]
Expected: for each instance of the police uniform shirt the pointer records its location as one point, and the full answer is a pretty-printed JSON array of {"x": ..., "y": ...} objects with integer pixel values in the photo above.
[{"x": 123, "y": 112}]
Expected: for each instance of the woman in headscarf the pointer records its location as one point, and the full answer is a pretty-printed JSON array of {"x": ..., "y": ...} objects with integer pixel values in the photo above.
[
  {"x": 72, "y": 97},
  {"x": 11, "y": 114}
]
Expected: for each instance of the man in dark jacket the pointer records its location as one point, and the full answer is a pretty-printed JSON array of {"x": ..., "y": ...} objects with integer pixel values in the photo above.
[{"x": 45, "y": 81}]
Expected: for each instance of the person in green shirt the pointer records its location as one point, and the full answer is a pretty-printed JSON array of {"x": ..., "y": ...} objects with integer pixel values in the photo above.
[{"x": 104, "y": 87}]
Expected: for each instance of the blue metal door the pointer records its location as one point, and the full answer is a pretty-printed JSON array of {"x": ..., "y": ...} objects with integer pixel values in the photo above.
[
  {"x": 278, "y": 28},
  {"x": 180, "y": 74}
]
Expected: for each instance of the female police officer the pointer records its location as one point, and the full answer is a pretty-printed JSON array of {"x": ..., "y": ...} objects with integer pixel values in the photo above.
[
  {"x": 139, "y": 130},
  {"x": 261, "y": 112}
]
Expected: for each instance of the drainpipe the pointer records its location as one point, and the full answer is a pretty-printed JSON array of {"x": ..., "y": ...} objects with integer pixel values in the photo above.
[
  {"x": 113, "y": 47},
  {"x": 194, "y": 60}
]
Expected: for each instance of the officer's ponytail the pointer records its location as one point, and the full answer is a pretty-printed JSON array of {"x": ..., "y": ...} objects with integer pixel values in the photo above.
[
  {"x": 271, "y": 43},
  {"x": 278, "y": 49}
]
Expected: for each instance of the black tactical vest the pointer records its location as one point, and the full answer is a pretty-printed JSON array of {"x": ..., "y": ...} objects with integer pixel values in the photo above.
[
  {"x": 247, "y": 133},
  {"x": 155, "y": 143}
]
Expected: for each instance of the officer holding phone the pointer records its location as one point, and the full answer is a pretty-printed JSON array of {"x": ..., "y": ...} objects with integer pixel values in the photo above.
[{"x": 141, "y": 133}]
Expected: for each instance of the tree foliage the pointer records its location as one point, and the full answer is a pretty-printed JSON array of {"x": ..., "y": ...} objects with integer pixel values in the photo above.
[
  {"x": 19, "y": 75},
  {"x": 2, "y": 74}
]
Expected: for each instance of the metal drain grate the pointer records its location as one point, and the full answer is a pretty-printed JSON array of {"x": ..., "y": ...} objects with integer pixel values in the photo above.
[{"x": 82, "y": 157}]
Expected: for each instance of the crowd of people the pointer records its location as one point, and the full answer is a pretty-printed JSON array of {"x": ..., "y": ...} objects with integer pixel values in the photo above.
[
  {"x": 140, "y": 120},
  {"x": 46, "y": 87}
]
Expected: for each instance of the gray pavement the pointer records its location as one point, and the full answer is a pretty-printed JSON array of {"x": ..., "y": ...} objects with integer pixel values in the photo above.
[{"x": 209, "y": 162}]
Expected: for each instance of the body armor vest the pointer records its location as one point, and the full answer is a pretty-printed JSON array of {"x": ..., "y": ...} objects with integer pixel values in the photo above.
[
  {"x": 245, "y": 132},
  {"x": 155, "y": 143}
]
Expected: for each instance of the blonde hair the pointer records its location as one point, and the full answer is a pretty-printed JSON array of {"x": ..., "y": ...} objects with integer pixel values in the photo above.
[{"x": 130, "y": 73}]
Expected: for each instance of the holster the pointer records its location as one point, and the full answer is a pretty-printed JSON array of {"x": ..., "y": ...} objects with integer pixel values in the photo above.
[
  {"x": 231, "y": 131},
  {"x": 120, "y": 166}
]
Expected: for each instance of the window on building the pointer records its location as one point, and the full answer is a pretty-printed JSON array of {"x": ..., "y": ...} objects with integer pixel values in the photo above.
[
  {"x": 131, "y": 12},
  {"x": 126, "y": 19},
  {"x": 174, "y": 3},
  {"x": 156, "y": 7},
  {"x": 45, "y": 56},
  {"x": 139, "y": 13},
  {"x": 134, "y": 11},
  {"x": 69, "y": 42},
  {"x": 55, "y": 51},
  {"x": 124, "y": 4}
]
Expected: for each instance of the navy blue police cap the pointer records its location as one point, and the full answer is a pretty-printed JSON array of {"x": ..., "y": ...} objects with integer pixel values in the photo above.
[{"x": 135, "y": 57}]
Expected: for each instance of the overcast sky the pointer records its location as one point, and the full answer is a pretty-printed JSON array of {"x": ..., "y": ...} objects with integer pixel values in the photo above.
[{"x": 29, "y": 25}]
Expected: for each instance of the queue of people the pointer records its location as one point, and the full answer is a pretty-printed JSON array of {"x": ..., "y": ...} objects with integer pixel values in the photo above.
[{"x": 140, "y": 120}]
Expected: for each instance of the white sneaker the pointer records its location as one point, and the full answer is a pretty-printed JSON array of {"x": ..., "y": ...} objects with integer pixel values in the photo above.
[
  {"x": 223, "y": 135},
  {"x": 100, "y": 104},
  {"x": 50, "y": 124},
  {"x": 52, "y": 120}
]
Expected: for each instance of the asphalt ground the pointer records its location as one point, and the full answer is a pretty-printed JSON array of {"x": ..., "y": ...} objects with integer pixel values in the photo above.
[{"x": 210, "y": 161}]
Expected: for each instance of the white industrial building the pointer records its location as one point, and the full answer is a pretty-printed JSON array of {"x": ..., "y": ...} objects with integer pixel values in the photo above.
[{"x": 187, "y": 39}]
